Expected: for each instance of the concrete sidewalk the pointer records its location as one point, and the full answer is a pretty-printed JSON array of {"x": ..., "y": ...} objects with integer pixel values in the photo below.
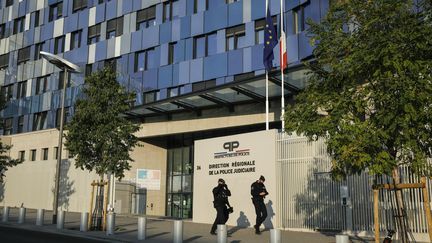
[{"x": 160, "y": 230}]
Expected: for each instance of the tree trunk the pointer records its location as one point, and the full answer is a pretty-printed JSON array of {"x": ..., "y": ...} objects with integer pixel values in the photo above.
[{"x": 400, "y": 209}]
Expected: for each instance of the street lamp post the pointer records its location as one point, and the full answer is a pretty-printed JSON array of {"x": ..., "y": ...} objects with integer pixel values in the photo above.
[{"x": 67, "y": 67}]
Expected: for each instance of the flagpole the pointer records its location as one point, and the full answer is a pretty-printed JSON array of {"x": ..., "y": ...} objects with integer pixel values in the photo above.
[
  {"x": 282, "y": 71},
  {"x": 267, "y": 103},
  {"x": 266, "y": 85}
]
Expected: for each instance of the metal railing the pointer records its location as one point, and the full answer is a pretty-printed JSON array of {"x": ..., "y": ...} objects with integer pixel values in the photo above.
[{"x": 309, "y": 200}]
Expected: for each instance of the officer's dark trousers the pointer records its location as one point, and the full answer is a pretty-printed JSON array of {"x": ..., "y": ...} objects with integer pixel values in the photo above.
[
  {"x": 260, "y": 211},
  {"x": 221, "y": 217}
]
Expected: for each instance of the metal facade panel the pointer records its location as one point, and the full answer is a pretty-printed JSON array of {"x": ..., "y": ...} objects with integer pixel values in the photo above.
[
  {"x": 196, "y": 70},
  {"x": 184, "y": 72},
  {"x": 197, "y": 24},
  {"x": 182, "y": 29},
  {"x": 247, "y": 11},
  {"x": 216, "y": 18},
  {"x": 235, "y": 14},
  {"x": 215, "y": 66},
  {"x": 165, "y": 76}
]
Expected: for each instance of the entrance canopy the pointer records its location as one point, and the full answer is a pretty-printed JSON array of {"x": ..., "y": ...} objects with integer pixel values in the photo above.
[{"x": 227, "y": 95}]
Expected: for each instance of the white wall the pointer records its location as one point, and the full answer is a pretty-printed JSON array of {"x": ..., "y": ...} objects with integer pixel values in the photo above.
[{"x": 261, "y": 147}]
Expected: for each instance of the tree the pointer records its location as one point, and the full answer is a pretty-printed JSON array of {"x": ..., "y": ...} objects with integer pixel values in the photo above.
[
  {"x": 369, "y": 92},
  {"x": 5, "y": 160},
  {"x": 98, "y": 135}
]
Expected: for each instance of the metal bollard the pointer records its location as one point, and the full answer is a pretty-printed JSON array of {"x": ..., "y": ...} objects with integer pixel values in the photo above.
[
  {"x": 21, "y": 215},
  {"x": 221, "y": 233},
  {"x": 40, "y": 217},
  {"x": 60, "y": 219},
  {"x": 5, "y": 214},
  {"x": 142, "y": 225},
  {"x": 110, "y": 225},
  {"x": 275, "y": 236},
  {"x": 142, "y": 228},
  {"x": 84, "y": 221},
  {"x": 178, "y": 231},
  {"x": 342, "y": 239}
]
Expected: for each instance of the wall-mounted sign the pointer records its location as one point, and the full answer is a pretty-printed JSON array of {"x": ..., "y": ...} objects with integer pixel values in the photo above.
[
  {"x": 239, "y": 160},
  {"x": 149, "y": 179}
]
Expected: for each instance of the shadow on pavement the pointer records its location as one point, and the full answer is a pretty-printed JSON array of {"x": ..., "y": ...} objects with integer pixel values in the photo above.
[
  {"x": 125, "y": 232},
  {"x": 156, "y": 235},
  {"x": 192, "y": 238}
]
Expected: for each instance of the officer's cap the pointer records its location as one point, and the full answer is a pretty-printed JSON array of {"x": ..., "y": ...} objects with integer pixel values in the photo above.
[{"x": 262, "y": 178}]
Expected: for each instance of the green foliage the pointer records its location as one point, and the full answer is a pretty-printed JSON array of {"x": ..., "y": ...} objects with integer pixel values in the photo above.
[
  {"x": 5, "y": 160},
  {"x": 370, "y": 88},
  {"x": 98, "y": 135}
]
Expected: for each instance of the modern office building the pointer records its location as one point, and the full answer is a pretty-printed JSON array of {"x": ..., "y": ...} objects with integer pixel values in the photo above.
[{"x": 196, "y": 67}]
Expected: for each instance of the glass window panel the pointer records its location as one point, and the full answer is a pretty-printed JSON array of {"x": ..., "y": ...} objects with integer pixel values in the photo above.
[
  {"x": 176, "y": 187},
  {"x": 230, "y": 43},
  {"x": 139, "y": 61},
  {"x": 45, "y": 154},
  {"x": 175, "y": 9},
  {"x": 167, "y": 12},
  {"x": 200, "y": 47},
  {"x": 7, "y": 129},
  {"x": 176, "y": 205},
  {"x": 200, "y": 5},
  {"x": 260, "y": 37},
  {"x": 187, "y": 206},
  {"x": 169, "y": 186},
  {"x": 141, "y": 25},
  {"x": 111, "y": 34},
  {"x": 168, "y": 107},
  {"x": 187, "y": 183},
  {"x": 177, "y": 161},
  {"x": 197, "y": 101},
  {"x": 151, "y": 22},
  {"x": 2, "y": 30},
  {"x": 33, "y": 155},
  {"x": 75, "y": 39},
  {"x": 119, "y": 26},
  {"x": 187, "y": 161},
  {"x": 241, "y": 41},
  {"x": 151, "y": 12},
  {"x": 169, "y": 205},
  {"x": 4, "y": 61},
  {"x": 22, "y": 89},
  {"x": 229, "y": 95},
  {"x": 151, "y": 59},
  {"x": 21, "y": 155},
  {"x": 170, "y": 161},
  {"x": 20, "y": 124},
  {"x": 59, "y": 44},
  {"x": 38, "y": 49}
]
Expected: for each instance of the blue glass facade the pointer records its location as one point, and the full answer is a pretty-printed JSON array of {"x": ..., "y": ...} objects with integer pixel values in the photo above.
[{"x": 170, "y": 44}]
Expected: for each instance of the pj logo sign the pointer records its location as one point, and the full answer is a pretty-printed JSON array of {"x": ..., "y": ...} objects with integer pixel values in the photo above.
[{"x": 231, "y": 150}]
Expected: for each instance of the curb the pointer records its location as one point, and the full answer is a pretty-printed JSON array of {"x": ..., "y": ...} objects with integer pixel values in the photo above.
[{"x": 64, "y": 232}]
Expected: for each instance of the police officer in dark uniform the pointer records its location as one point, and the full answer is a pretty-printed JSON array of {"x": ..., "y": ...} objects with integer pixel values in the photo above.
[
  {"x": 258, "y": 192},
  {"x": 220, "y": 203}
]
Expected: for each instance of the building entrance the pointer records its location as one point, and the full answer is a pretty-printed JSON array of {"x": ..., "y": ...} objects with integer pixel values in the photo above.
[{"x": 179, "y": 182}]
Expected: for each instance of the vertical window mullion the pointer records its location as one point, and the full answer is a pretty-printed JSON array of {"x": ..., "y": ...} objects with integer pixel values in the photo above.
[{"x": 206, "y": 46}]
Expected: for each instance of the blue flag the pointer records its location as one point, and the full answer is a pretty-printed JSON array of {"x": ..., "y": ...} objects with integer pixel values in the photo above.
[{"x": 270, "y": 41}]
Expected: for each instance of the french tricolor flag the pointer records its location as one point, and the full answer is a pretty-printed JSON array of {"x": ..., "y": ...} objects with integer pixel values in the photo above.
[{"x": 282, "y": 49}]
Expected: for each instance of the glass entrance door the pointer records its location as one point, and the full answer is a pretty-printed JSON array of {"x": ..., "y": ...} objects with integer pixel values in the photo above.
[{"x": 179, "y": 182}]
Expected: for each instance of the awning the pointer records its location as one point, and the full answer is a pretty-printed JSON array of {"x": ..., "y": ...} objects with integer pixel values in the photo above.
[{"x": 227, "y": 95}]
